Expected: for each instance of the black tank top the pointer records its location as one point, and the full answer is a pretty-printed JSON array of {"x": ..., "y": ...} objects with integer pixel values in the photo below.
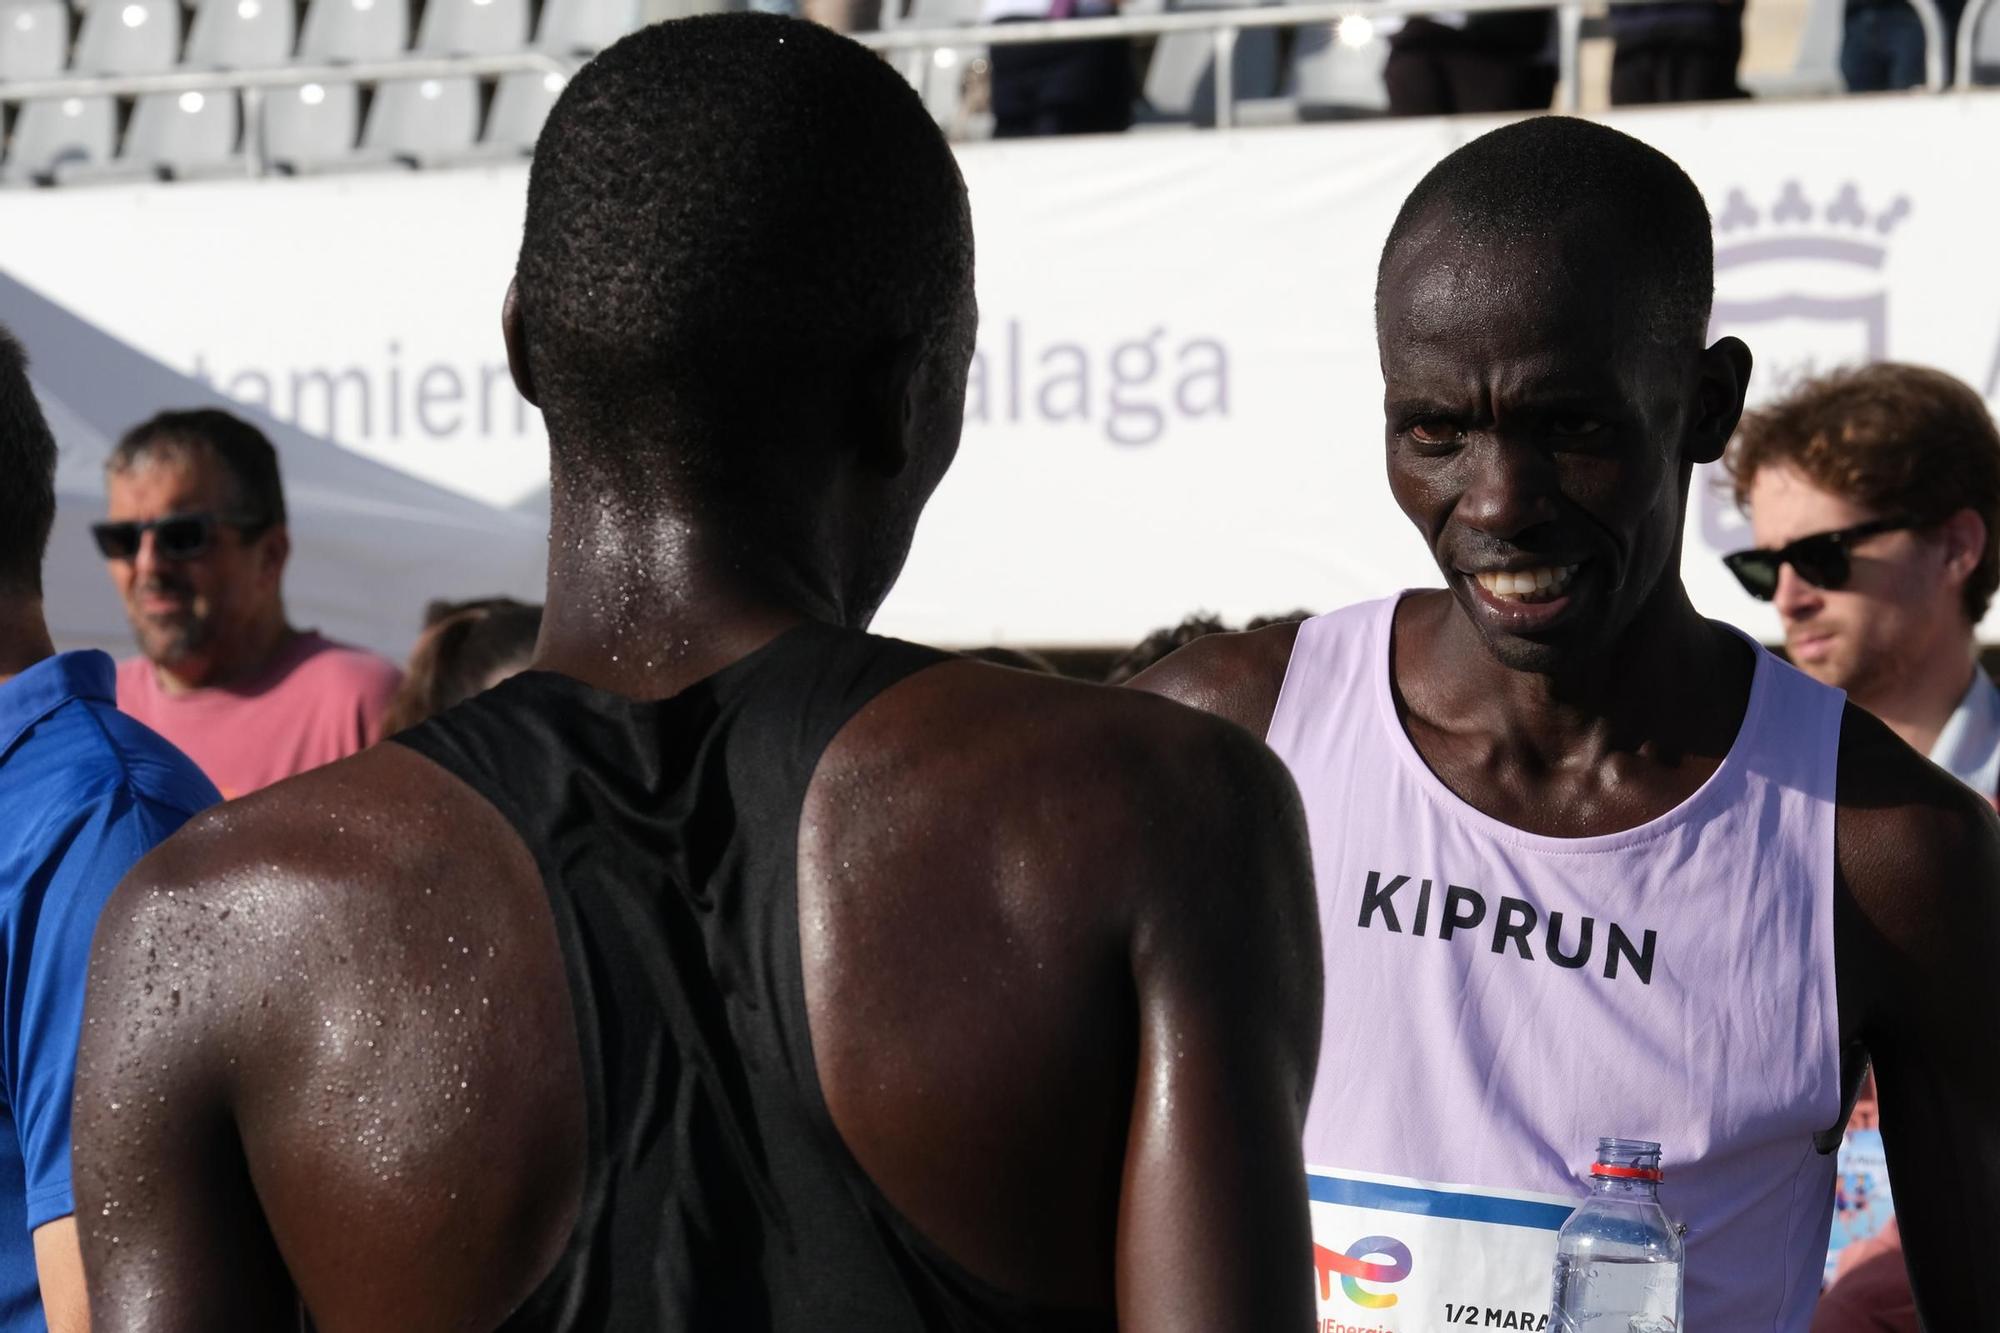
[{"x": 718, "y": 1194}]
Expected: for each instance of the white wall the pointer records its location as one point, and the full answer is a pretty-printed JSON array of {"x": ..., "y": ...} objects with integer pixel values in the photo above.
[{"x": 1177, "y": 402}]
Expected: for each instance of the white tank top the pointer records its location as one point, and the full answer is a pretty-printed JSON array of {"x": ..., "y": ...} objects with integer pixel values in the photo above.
[{"x": 1497, "y": 1000}]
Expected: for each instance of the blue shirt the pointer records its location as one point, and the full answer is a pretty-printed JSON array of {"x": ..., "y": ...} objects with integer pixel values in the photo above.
[{"x": 84, "y": 792}]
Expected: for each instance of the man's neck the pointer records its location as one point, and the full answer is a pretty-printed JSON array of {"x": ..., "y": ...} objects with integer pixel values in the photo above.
[
  {"x": 243, "y": 660},
  {"x": 1918, "y": 700},
  {"x": 1655, "y": 689},
  {"x": 24, "y": 636},
  {"x": 679, "y": 603}
]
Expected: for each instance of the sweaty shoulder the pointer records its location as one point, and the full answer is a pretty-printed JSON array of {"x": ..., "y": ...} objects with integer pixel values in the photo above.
[
  {"x": 1237, "y": 676},
  {"x": 361, "y": 976},
  {"x": 1037, "y": 741},
  {"x": 991, "y": 851}
]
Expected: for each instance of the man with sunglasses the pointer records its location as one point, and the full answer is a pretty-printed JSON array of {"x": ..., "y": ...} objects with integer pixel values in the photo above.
[
  {"x": 1874, "y": 499},
  {"x": 84, "y": 793},
  {"x": 1589, "y": 863},
  {"x": 196, "y": 543}
]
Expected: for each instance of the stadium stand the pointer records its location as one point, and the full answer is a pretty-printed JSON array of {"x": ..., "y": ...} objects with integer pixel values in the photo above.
[
  {"x": 1336, "y": 70},
  {"x": 439, "y": 116}
]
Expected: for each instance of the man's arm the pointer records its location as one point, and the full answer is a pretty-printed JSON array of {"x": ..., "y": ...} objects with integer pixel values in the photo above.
[
  {"x": 1213, "y": 1226},
  {"x": 176, "y": 1237},
  {"x": 59, "y": 1272},
  {"x": 93, "y": 843},
  {"x": 328, "y": 1047},
  {"x": 1236, "y": 676},
  {"x": 1917, "y": 957}
]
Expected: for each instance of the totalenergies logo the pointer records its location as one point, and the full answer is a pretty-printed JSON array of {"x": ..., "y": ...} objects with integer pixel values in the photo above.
[{"x": 1358, "y": 1265}]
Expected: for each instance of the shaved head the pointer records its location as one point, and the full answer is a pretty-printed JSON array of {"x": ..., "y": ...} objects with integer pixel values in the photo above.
[{"x": 1565, "y": 198}]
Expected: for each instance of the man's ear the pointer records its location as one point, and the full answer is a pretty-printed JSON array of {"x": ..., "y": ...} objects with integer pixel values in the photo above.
[
  {"x": 1964, "y": 536},
  {"x": 1722, "y": 381},
  {"x": 277, "y": 549},
  {"x": 516, "y": 337},
  {"x": 885, "y": 406}
]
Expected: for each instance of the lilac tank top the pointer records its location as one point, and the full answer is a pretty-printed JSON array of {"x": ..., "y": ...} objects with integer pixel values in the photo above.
[{"x": 1497, "y": 1000}]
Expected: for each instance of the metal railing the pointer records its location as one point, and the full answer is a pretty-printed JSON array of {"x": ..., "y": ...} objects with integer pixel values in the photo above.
[
  {"x": 1968, "y": 29},
  {"x": 252, "y": 84},
  {"x": 1224, "y": 24}
]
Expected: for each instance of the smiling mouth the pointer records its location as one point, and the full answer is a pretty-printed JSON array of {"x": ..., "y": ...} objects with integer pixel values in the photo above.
[{"x": 1543, "y": 583}]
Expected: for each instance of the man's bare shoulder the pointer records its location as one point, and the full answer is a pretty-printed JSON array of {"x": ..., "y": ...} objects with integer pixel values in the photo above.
[
  {"x": 1237, "y": 676},
  {"x": 338, "y": 843},
  {"x": 357, "y": 969},
  {"x": 1107, "y": 783},
  {"x": 1008, "y": 727},
  {"x": 1912, "y": 840}
]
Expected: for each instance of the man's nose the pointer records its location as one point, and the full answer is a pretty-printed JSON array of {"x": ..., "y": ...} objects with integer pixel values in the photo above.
[
  {"x": 1794, "y": 598},
  {"x": 146, "y": 561},
  {"x": 1513, "y": 487}
]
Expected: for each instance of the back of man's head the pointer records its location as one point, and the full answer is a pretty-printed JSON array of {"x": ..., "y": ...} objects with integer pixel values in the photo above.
[
  {"x": 28, "y": 463},
  {"x": 1575, "y": 192},
  {"x": 206, "y": 437},
  {"x": 1896, "y": 440},
  {"x": 730, "y": 220}
]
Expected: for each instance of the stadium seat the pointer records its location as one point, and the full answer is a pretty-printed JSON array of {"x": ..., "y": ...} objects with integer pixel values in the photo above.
[
  {"x": 473, "y": 27},
  {"x": 1815, "y": 70},
  {"x": 241, "y": 34},
  {"x": 1986, "y": 48},
  {"x": 418, "y": 121},
  {"x": 355, "y": 30},
  {"x": 570, "y": 26},
  {"x": 1336, "y": 70},
  {"x": 183, "y": 134},
  {"x": 520, "y": 104},
  {"x": 311, "y": 128},
  {"x": 128, "y": 37},
  {"x": 56, "y": 132},
  {"x": 1180, "y": 81},
  {"x": 34, "y": 38}
]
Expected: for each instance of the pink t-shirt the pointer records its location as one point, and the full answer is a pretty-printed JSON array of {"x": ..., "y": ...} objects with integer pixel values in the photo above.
[{"x": 317, "y": 701}]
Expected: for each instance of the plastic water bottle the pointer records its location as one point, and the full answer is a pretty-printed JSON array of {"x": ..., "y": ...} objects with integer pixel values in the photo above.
[{"x": 1618, "y": 1259}]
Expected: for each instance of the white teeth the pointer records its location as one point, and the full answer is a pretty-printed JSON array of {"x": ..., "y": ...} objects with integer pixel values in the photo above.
[{"x": 1528, "y": 585}]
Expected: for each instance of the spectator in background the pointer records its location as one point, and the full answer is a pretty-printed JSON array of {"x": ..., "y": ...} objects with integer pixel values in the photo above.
[
  {"x": 196, "y": 543},
  {"x": 1450, "y": 64},
  {"x": 1683, "y": 51},
  {"x": 85, "y": 792},
  {"x": 1161, "y": 642},
  {"x": 466, "y": 651},
  {"x": 1882, "y": 44},
  {"x": 1061, "y": 87},
  {"x": 1021, "y": 659},
  {"x": 1874, "y": 496}
]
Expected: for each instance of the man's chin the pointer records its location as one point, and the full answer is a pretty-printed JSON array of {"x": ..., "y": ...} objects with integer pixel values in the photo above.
[{"x": 168, "y": 645}]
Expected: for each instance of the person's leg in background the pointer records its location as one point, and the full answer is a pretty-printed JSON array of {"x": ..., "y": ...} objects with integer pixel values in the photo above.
[{"x": 1414, "y": 74}]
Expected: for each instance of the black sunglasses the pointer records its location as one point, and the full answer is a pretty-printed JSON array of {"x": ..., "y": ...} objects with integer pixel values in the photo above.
[
  {"x": 1820, "y": 559},
  {"x": 175, "y": 537}
]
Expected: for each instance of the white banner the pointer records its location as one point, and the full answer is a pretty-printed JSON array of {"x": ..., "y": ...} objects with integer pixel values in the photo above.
[{"x": 1176, "y": 403}]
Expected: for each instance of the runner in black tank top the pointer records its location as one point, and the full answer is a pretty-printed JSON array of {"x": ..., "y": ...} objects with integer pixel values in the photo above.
[
  {"x": 734, "y": 971},
  {"x": 717, "y": 1194}
]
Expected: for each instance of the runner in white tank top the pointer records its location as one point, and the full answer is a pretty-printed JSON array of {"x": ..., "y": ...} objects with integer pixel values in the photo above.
[{"x": 1589, "y": 864}]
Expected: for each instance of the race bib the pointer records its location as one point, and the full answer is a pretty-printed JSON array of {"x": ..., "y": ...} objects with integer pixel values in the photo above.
[{"x": 1392, "y": 1255}]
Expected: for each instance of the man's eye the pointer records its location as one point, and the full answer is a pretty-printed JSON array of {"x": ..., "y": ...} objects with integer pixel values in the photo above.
[
  {"x": 1432, "y": 430},
  {"x": 1573, "y": 424}
]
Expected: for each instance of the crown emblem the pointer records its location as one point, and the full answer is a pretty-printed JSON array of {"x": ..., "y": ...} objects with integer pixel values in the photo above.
[{"x": 1842, "y": 229}]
